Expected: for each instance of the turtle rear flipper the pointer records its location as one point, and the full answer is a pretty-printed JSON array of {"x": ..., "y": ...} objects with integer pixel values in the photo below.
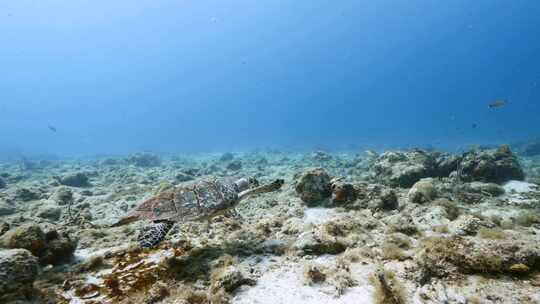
[{"x": 151, "y": 236}]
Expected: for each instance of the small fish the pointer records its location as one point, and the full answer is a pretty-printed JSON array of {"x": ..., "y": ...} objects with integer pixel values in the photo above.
[
  {"x": 474, "y": 126},
  {"x": 498, "y": 104},
  {"x": 52, "y": 128}
]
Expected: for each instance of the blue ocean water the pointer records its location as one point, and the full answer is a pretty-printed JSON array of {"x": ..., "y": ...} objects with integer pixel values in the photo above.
[{"x": 124, "y": 76}]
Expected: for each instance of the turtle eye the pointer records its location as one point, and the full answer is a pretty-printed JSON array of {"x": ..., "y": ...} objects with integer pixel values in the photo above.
[{"x": 253, "y": 182}]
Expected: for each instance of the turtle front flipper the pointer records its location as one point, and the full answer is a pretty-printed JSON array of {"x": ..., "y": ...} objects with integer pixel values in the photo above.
[{"x": 151, "y": 236}]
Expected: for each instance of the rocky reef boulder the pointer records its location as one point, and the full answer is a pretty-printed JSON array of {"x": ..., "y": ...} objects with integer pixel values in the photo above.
[
  {"x": 490, "y": 189},
  {"x": 320, "y": 156},
  {"x": 375, "y": 197},
  {"x": 29, "y": 237},
  {"x": 234, "y": 165},
  {"x": 26, "y": 194},
  {"x": 6, "y": 209},
  {"x": 226, "y": 157},
  {"x": 229, "y": 278},
  {"x": 18, "y": 270},
  {"x": 445, "y": 163},
  {"x": 403, "y": 169},
  {"x": 422, "y": 192},
  {"x": 63, "y": 196},
  {"x": 50, "y": 246},
  {"x": 343, "y": 193},
  {"x": 52, "y": 213},
  {"x": 447, "y": 256},
  {"x": 491, "y": 166},
  {"x": 314, "y": 186},
  {"x": 59, "y": 248},
  {"x": 4, "y": 227},
  {"x": 318, "y": 242},
  {"x": 78, "y": 179},
  {"x": 529, "y": 149},
  {"x": 144, "y": 160}
]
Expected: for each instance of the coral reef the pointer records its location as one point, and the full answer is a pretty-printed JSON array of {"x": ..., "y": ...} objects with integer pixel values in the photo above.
[{"x": 447, "y": 228}]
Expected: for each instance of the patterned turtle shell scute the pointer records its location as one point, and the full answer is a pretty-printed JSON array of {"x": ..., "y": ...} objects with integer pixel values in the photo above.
[{"x": 191, "y": 202}]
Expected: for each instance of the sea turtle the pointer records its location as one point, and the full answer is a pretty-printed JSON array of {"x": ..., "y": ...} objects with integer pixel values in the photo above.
[{"x": 199, "y": 200}]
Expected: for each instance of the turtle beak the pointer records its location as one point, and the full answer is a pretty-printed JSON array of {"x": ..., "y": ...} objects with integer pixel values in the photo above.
[{"x": 126, "y": 220}]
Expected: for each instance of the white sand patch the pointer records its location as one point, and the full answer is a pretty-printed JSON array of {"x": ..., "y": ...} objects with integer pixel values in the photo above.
[
  {"x": 285, "y": 285},
  {"x": 519, "y": 187},
  {"x": 317, "y": 216},
  {"x": 157, "y": 257},
  {"x": 86, "y": 253},
  {"x": 521, "y": 193}
]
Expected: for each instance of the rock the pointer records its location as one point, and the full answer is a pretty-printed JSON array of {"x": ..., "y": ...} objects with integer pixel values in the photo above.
[
  {"x": 333, "y": 280},
  {"x": 388, "y": 200},
  {"x": 403, "y": 169},
  {"x": 235, "y": 165},
  {"x": 6, "y": 209},
  {"x": 50, "y": 246},
  {"x": 2, "y": 183},
  {"x": 402, "y": 223},
  {"x": 87, "y": 192},
  {"x": 59, "y": 248},
  {"x": 466, "y": 225},
  {"x": 25, "y": 194},
  {"x": 484, "y": 188},
  {"x": 530, "y": 149},
  {"x": 78, "y": 179},
  {"x": 144, "y": 160},
  {"x": 261, "y": 161},
  {"x": 63, "y": 196},
  {"x": 183, "y": 177},
  {"x": 314, "y": 186},
  {"x": 422, "y": 191},
  {"x": 319, "y": 242},
  {"x": 519, "y": 268},
  {"x": 229, "y": 279},
  {"x": 157, "y": 293},
  {"x": 18, "y": 270},
  {"x": 382, "y": 199},
  {"x": 110, "y": 162},
  {"x": 50, "y": 213},
  {"x": 314, "y": 273},
  {"x": 445, "y": 164},
  {"x": 443, "y": 256},
  {"x": 28, "y": 236},
  {"x": 320, "y": 156},
  {"x": 4, "y": 227},
  {"x": 344, "y": 193},
  {"x": 374, "y": 196},
  {"x": 226, "y": 157},
  {"x": 275, "y": 247},
  {"x": 491, "y": 166},
  {"x": 431, "y": 217}
]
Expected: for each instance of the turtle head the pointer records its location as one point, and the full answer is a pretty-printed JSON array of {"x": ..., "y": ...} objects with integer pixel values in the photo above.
[
  {"x": 126, "y": 220},
  {"x": 246, "y": 183}
]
